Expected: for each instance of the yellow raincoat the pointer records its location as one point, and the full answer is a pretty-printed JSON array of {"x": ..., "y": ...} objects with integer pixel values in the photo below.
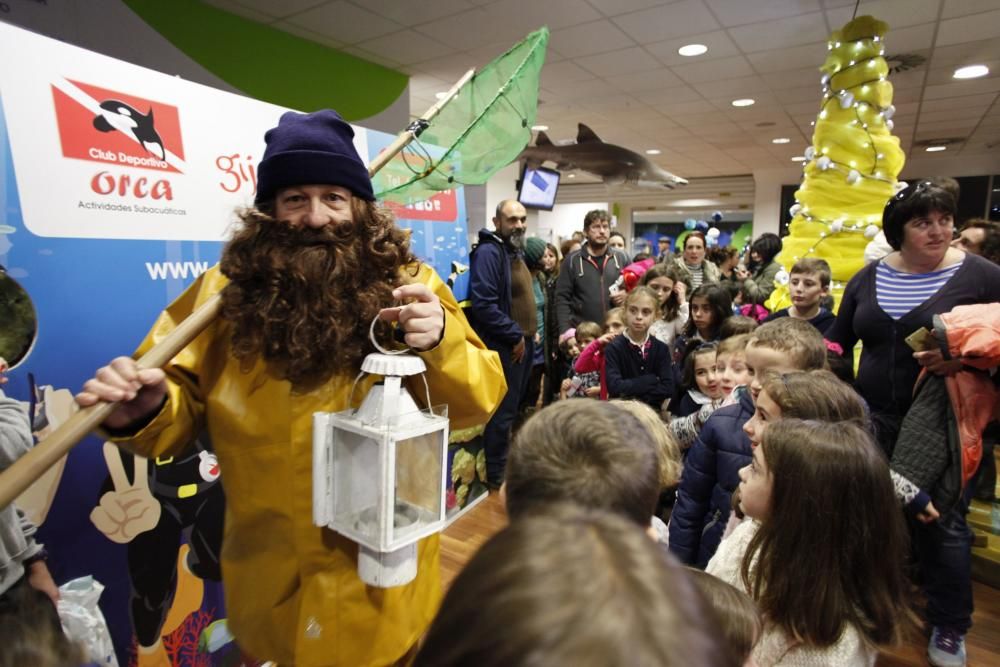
[{"x": 292, "y": 590}]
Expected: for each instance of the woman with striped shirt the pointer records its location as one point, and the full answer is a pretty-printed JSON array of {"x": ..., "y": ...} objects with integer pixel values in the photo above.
[{"x": 883, "y": 304}]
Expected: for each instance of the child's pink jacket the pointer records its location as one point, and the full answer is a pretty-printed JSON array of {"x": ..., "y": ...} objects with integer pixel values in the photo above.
[{"x": 592, "y": 359}]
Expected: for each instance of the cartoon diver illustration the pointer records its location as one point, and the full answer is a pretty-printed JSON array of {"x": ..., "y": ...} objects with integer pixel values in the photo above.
[
  {"x": 119, "y": 116},
  {"x": 165, "y": 499}
]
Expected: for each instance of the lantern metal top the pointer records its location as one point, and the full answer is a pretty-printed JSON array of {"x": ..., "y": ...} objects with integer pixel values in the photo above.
[{"x": 393, "y": 365}]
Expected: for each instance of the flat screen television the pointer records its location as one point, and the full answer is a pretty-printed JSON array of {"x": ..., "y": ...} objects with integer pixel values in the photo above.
[{"x": 538, "y": 188}]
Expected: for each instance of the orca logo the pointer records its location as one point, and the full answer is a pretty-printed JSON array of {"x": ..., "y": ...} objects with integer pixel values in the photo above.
[
  {"x": 119, "y": 116},
  {"x": 98, "y": 124}
]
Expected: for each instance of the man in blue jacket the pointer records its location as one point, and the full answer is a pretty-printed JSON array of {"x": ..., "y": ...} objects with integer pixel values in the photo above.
[{"x": 502, "y": 311}]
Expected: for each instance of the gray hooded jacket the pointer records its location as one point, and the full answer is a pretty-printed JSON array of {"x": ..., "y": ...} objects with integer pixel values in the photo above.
[{"x": 17, "y": 541}]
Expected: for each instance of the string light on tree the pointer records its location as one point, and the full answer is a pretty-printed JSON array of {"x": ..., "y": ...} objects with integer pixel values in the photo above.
[{"x": 850, "y": 169}]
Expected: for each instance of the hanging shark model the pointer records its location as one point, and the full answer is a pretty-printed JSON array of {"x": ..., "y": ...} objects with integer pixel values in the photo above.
[{"x": 614, "y": 164}]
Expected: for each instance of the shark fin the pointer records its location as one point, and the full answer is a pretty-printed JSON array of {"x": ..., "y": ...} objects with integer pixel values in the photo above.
[
  {"x": 543, "y": 140},
  {"x": 585, "y": 135}
]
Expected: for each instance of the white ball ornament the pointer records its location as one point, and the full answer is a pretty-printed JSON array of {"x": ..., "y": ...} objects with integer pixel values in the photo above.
[
  {"x": 836, "y": 226},
  {"x": 889, "y": 112},
  {"x": 889, "y": 125},
  {"x": 794, "y": 210},
  {"x": 810, "y": 153},
  {"x": 853, "y": 176},
  {"x": 846, "y": 99},
  {"x": 899, "y": 186},
  {"x": 712, "y": 233},
  {"x": 871, "y": 231},
  {"x": 824, "y": 163},
  {"x": 781, "y": 277}
]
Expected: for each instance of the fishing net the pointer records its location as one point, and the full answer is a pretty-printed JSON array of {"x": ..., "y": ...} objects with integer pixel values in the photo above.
[{"x": 479, "y": 131}]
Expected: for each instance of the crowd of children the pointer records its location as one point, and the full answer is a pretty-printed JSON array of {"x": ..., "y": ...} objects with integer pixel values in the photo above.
[{"x": 764, "y": 462}]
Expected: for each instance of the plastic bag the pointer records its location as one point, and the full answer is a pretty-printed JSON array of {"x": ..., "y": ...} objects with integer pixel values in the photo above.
[{"x": 83, "y": 621}]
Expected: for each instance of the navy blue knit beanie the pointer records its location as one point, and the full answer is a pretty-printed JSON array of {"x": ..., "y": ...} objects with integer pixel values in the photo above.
[{"x": 311, "y": 149}]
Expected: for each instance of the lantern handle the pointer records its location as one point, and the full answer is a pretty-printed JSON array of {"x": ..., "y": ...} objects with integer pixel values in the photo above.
[{"x": 371, "y": 337}]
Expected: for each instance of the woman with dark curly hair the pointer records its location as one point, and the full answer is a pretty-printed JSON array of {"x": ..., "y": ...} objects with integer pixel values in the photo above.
[
  {"x": 883, "y": 305},
  {"x": 758, "y": 277}
]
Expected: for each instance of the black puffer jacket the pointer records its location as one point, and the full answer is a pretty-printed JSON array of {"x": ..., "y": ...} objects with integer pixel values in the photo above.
[{"x": 711, "y": 474}]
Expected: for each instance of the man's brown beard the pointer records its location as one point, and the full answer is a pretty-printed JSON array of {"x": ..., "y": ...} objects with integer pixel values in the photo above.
[{"x": 303, "y": 299}]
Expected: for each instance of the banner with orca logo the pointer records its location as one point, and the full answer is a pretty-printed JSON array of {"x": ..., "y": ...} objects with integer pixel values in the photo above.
[{"x": 118, "y": 185}]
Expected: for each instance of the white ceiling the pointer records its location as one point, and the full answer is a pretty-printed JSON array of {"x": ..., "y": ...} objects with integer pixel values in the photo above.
[{"x": 613, "y": 65}]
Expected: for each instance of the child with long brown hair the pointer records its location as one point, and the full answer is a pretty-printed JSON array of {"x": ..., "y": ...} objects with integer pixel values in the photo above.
[
  {"x": 824, "y": 554},
  {"x": 669, "y": 284}
]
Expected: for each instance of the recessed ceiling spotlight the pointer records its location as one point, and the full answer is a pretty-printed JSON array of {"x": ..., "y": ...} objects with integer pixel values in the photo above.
[
  {"x": 440, "y": 96},
  {"x": 743, "y": 102},
  {"x": 935, "y": 149},
  {"x": 780, "y": 140},
  {"x": 539, "y": 128},
  {"x": 692, "y": 50},
  {"x": 571, "y": 176},
  {"x": 652, "y": 151},
  {"x": 798, "y": 158},
  {"x": 971, "y": 72}
]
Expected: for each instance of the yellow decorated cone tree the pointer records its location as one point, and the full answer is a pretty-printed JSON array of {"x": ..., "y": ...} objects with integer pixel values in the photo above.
[{"x": 851, "y": 168}]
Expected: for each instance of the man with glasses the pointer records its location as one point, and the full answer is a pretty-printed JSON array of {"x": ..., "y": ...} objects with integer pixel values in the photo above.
[{"x": 584, "y": 289}]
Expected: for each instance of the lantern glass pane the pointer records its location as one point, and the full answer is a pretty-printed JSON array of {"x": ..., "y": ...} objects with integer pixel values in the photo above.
[
  {"x": 419, "y": 490},
  {"x": 357, "y": 481}
]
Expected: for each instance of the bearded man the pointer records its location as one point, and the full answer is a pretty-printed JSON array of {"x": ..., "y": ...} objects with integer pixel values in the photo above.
[
  {"x": 305, "y": 274},
  {"x": 502, "y": 311}
]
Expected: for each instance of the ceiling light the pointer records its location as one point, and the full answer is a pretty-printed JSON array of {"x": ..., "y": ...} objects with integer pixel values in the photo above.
[
  {"x": 692, "y": 50},
  {"x": 935, "y": 149},
  {"x": 652, "y": 151},
  {"x": 440, "y": 96},
  {"x": 571, "y": 176},
  {"x": 971, "y": 72},
  {"x": 798, "y": 158},
  {"x": 780, "y": 140},
  {"x": 743, "y": 102},
  {"x": 539, "y": 128}
]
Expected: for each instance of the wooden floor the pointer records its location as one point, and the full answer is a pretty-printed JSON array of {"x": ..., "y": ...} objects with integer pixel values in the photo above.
[{"x": 461, "y": 540}]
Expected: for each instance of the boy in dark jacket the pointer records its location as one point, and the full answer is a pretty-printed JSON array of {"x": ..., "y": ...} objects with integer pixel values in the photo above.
[
  {"x": 711, "y": 471},
  {"x": 808, "y": 285}
]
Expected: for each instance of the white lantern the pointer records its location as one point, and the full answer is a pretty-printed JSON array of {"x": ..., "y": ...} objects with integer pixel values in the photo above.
[{"x": 379, "y": 472}]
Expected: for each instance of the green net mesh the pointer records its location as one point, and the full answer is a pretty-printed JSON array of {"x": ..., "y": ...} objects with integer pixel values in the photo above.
[{"x": 481, "y": 130}]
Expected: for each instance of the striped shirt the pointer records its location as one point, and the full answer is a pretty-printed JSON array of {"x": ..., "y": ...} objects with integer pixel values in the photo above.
[
  {"x": 898, "y": 293},
  {"x": 697, "y": 275}
]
